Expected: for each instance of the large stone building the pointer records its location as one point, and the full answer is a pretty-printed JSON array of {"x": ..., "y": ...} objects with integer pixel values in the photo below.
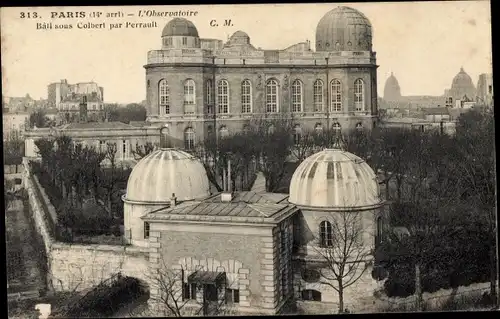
[
  {"x": 58, "y": 92},
  {"x": 484, "y": 94},
  {"x": 262, "y": 253},
  {"x": 200, "y": 85}
]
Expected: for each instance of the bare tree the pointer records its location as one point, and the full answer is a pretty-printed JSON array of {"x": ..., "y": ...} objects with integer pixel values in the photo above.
[
  {"x": 303, "y": 145},
  {"x": 143, "y": 150},
  {"x": 343, "y": 254},
  {"x": 111, "y": 175}
]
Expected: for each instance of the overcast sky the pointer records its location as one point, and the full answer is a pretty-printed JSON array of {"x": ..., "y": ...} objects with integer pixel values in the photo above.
[{"x": 423, "y": 43}]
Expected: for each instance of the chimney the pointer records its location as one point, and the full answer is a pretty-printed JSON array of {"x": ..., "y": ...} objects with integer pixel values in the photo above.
[
  {"x": 227, "y": 194},
  {"x": 173, "y": 200}
]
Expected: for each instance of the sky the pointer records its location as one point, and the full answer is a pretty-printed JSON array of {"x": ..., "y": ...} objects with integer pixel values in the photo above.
[{"x": 423, "y": 43}]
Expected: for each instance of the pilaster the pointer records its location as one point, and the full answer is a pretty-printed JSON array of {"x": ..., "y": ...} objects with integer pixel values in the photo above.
[
  {"x": 268, "y": 274},
  {"x": 244, "y": 283}
]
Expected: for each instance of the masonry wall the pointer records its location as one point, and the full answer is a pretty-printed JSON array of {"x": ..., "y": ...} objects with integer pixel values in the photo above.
[{"x": 76, "y": 267}]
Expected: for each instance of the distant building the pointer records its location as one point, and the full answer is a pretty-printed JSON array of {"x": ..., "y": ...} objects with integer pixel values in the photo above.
[
  {"x": 14, "y": 123},
  {"x": 392, "y": 90},
  {"x": 437, "y": 114},
  {"x": 21, "y": 104},
  {"x": 60, "y": 91},
  {"x": 69, "y": 107},
  {"x": 485, "y": 89},
  {"x": 444, "y": 126},
  {"x": 462, "y": 89}
]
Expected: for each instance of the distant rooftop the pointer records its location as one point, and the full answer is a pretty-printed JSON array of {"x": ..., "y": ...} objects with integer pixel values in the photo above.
[{"x": 96, "y": 126}]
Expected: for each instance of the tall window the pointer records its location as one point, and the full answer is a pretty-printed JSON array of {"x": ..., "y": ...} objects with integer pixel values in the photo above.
[
  {"x": 379, "y": 229},
  {"x": 188, "y": 291},
  {"x": 246, "y": 97},
  {"x": 164, "y": 97},
  {"x": 318, "y": 128},
  {"x": 232, "y": 296},
  {"x": 208, "y": 91},
  {"x": 146, "y": 230},
  {"x": 318, "y": 96},
  {"x": 359, "y": 126},
  {"x": 184, "y": 41},
  {"x": 223, "y": 132},
  {"x": 336, "y": 96},
  {"x": 124, "y": 149},
  {"x": 297, "y": 134},
  {"x": 325, "y": 234},
  {"x": 336, "y": 129},
  {"x": 359, "y": 95},
  {"x": 223, "y": 96},
  {"x": 189, "y": 139},
  {"x": 297, "y": 96},
  {"x": 189, "y": 96},
  {"x": 272, "y": 104}
]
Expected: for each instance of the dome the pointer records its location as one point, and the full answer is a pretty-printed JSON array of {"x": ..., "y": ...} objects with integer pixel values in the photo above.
[
  {"x": 179, "y": 27},
  {"x": 334, "y": 179},
  {"x": 165, "y": 172},
  {"x": 462, "y": 85},
  {"x": 344, "y": 29},
  {"x": 392, "y": 91},
  {"x": 239, "y": 37}
]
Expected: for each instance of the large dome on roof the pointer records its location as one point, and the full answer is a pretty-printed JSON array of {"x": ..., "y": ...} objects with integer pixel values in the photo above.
[
  {"x": 180, "y": 27},
  {"x": 165, "y": 172},
  {"x": 462, "y": 85},
  {"x": 392, "y": 90},
  {"x": 334, "y": 179},
  {"x": 344, "y": 29}
]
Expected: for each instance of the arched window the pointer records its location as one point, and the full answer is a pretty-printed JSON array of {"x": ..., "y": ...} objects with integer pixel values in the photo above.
[
  {"x": 337, "y": 129},
  {"x": 325, "y": 234},
  {"x": 272, "y": 103},
  {"x": 164, "y": 97},
  {"x": 318, "y": 128},
  {"x": 208, "y": 92},
  {"x": 189, "y": 96},
  {"x": 318, "y": 96},
  {"x": 223, "y": 131},
  {"x": 359, "y": 126},
  {"x": 336, "y": 96},
  {"x": 311, "y": 295},
  {"x": 270, "y": 129},
  {"x": 297, "y": 96},
  {"x": 297, "y": 134},
  {"x": 223, "y": 97},
  {"x": 359, "y": 95},
  {"x": 189, "y": 139},
  {"x": 246, "y": 97}
]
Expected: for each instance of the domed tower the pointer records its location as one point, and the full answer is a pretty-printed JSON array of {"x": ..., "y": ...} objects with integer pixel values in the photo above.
[
  {"x": 180, "y": 33},
  {"x": 392, "y": 91},
  {"x": 239, "y": 38},
  {"x": 462, "y": 86},
  {"x": 338, "y": 196},
  {"x": 344, "y": 29},
  {"x": 162, "y": 178}
]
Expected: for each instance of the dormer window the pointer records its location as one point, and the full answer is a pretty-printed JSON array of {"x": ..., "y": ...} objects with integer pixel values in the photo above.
[{"x": 184, "y": 40}]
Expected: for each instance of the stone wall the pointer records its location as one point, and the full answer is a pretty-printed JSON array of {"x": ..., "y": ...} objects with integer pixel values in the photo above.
[{"x": 74, "y": 266}]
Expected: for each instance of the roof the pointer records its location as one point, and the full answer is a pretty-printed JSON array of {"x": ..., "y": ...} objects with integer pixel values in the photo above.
[
  {"x": 244, "y": 207},
  {"x": 78, "y": 98},
  {"x": 206, "y": 277},
  {"x": 97, "y": 126},
  {"x": 140, "y": 123},
  {"x": 436, "y": 111},
  {"x": 180, "y": 27}
]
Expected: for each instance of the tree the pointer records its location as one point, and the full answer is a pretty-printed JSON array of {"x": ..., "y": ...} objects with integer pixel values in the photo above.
[
  {"x": 343, "y": 254},
  {"x": 38, "y": 118},
  {"x": 304, "y": 145},
  {"x": 143, "y": 150},
  {"x": 13, "y": 150},
  {"x": 111, "y": 175}
]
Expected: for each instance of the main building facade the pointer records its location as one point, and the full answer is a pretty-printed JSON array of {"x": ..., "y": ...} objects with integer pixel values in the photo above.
[{"x": 199, "y": 86}]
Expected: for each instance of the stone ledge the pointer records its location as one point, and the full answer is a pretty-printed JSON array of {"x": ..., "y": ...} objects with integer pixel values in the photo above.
[
  {"x": 266, "y": 239},
  {"x": 243, "y": 271}
]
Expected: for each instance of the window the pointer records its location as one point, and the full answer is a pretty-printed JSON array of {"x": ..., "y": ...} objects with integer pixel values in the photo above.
[
  {"x": 359, "y": 126},
  {"x": 184, "y": 40},
  {"x": 189, "y": 96},
  {"x": 146, "y": 230},
  {"x": 336, "y": 96},
  {"x": 325, "y": 234},
  {"x": 102, "y": 146},
  {"x": 246, "y": 129},
  {"x": 297, "y": 96},
  {"x": 379, "y": 229},
  {"x": 223, "y": 96},
  {"x": 318, "y": 96},
  {"x": 124, "y": 149},
  {"x": 211, "y": 293},
  {"x": 297, "y": 134},
  {"x": 272, "y": 105},
  {"x": 359, "y": 95},
  {"x": 188, "y": 291},
  {"x": 246, "y": 97},
  {"x": 223, "y": 132},
  {"x": 189, "y": 139},
  {"x": 490, "y": 89},
  {"x": 311, "y": 295},
  {"x": 336, "y": 128},
  {"x": 232, "y": 296},
  {"x": 208, "y": 90},
  {"x": 164, "y": 97}
]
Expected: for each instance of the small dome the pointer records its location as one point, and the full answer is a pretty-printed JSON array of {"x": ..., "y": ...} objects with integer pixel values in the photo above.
[
  {"x": 462, "y": 86},
  {"x": 392, "y": 91},
  {"x": 165, "y": 172},
  {"x": 344, "y": 29},
  {"x": 334, "y": 179},
  {"x": 179, "y": 27},
  {"x": 239, "y": 37}
]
